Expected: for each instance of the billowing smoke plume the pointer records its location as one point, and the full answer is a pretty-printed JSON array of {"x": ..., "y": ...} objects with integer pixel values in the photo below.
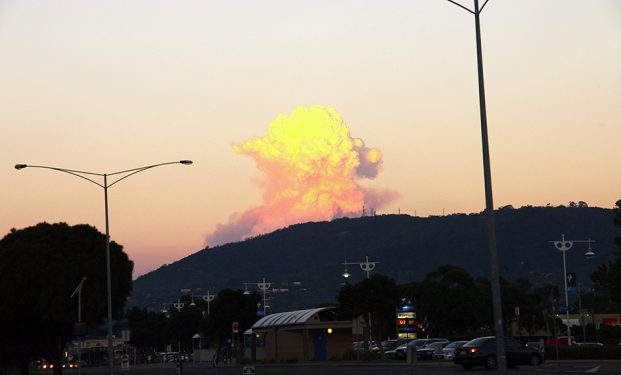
[{"x": 310, "y": 163}]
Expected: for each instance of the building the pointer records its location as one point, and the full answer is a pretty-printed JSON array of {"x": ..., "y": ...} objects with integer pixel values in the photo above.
[{"x": 301, "y": 336}]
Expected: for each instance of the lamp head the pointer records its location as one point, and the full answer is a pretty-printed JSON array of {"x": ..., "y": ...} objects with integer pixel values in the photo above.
[
  {"x": 589, "y": 254},
  {"x": 20, "y": 166},
  {"x": 185, "y": 162},
  {"x": 346, "y": 274}
]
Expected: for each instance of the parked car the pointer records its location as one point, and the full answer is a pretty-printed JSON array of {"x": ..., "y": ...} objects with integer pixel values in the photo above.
[
  {"x": 428, "y": 351},
  {"x": 386, "y": 345},
  {"x": 482, "y": 352},
  {"x": 363, "y": 345},
  {"x": 391, "y": 344},
  {"x": 390, "y": 354},
  {"x": 401, "y": 351},
  {"x": 44, "y": 364},
  {"x": 71, "y": 364},
  {"x": 448, "y": 352}
]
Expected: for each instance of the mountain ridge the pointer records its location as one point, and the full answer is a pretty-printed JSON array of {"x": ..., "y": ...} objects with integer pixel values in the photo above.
[{"x": 303, "y": 262}]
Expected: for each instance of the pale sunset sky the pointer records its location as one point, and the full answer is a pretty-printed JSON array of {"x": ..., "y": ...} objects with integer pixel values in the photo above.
[{"x": 105, "y": 86}]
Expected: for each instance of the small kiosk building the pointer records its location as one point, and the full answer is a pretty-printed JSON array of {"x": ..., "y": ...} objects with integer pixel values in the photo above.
[{"x": 302, "y": 336}]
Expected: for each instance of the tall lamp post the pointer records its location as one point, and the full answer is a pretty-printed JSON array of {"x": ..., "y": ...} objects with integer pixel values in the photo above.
[
  {"x": 489, "y": 201},
  {"x": 206, "y": 297},
  {"x": 366, "y": 266},
  {"x": 121, "y": 175},
  {"x": 263, "y": 286},
  {"x": 564, "y": 246}
]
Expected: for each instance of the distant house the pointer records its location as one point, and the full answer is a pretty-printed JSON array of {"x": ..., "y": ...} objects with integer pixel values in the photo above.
[{"x": 303, "y": 335}]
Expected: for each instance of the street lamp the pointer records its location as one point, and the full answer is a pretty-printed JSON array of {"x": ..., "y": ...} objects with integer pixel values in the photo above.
[
  {"x": 178, "y": 305},
  {"x": 563, "y": 246},
  {"x": 489, "y": 200},
  {"x": 206, "y": 297},
  {"x": 264, "y": 286},
  {"x": 165, "y": 309},
  {"x": 105, "y": 185},
  {"x": 589, "y": 254},
  {"x": 346, "y": 274},
  {"x": 365, "y": 266}
]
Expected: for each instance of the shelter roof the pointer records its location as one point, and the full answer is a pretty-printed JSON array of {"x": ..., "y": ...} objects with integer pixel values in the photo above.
[{"x": 290, "y": 318}]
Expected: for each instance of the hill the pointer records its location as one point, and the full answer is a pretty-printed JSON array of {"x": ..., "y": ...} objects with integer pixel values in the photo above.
[{"x": 304, "y": 262}]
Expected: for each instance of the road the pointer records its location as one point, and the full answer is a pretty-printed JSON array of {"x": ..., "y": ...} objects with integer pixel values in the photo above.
[{"x": 353, "y": 368}]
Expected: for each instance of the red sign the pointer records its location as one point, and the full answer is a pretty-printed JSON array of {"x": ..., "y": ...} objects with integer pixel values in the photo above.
[
  {"x": 235, "y": 327},
  {"x": 406, "y": 322}
]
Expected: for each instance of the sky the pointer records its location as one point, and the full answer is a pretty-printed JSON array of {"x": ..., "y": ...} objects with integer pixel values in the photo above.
[{"x": 105, "y": 86}]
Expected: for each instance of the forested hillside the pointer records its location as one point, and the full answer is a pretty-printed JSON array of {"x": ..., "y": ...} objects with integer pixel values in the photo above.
[{"x": 304, "y": 262}]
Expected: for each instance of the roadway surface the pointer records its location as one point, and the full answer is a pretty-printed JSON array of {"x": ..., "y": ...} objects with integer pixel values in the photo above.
[{"x": 357, "y": 368}]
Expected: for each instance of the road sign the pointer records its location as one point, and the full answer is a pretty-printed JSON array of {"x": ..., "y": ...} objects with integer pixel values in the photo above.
[
  {"x": 248, "y": 370},
  {"x": 235, "y": 327}
]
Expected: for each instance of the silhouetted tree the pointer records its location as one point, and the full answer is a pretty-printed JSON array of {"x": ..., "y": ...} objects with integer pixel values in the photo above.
[
  {"x": 607, "y": 277},
  {"x": 228, "y": 307},
  {"x": 451, "y": 301},
  {"x": 378, "y": 295},
  {"x": 40, "y": 266},
  {"x": 148, "y": 329}
]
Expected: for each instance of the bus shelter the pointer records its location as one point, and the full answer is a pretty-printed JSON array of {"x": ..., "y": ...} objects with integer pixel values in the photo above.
[{"x": 301, "y": 336}]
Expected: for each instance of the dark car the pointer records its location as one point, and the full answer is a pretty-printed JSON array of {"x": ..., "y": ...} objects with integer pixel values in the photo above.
[
  {"x": 401, "y": 351},
  {"x": 448, "y": 352},
  {"x": 482, "y": 352},
  {"x": 430, "y": 350},
  {"x": 386, "y": 345}
]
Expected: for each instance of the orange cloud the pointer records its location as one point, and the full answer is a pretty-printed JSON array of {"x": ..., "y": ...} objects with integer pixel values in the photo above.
[{"x": 310, "y": 165}]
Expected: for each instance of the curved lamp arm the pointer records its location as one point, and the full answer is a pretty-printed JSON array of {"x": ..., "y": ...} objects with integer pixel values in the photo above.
[
  {"x": 137, "y": 170},
  {"x": 77, "y": 173},
  {"x": 64, "y": 170}
]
